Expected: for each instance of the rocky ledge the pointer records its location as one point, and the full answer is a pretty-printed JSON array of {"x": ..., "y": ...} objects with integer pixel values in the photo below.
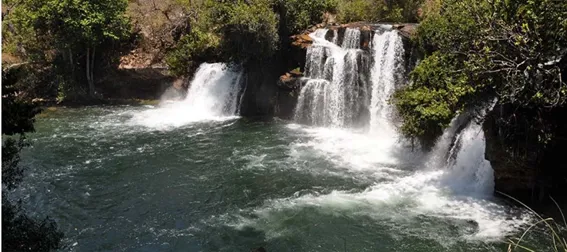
[{"x": 303, "y": 40}]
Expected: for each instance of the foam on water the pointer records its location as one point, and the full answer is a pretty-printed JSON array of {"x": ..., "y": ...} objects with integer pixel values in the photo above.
[
  {"x": 212, "y": 96},
  {"x": 453, "y": 197},
  {"x": 450, "y": 187}
]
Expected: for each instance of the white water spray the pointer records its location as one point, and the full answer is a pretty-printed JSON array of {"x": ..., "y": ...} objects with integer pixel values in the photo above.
[
  {"x": 330, "y": 94},
  {"x": 388, "y": 56},
  {"x": 212, "y": 95},
  {"x": 214, "y": 91},
  {"x": 468, "y": 171}
]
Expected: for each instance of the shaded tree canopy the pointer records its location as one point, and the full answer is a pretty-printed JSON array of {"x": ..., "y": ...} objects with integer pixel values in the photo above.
[
  {"x": 73, "y": 36},
  {"x": 480, "y": 50},
  {"x": 19, "y": 231}
]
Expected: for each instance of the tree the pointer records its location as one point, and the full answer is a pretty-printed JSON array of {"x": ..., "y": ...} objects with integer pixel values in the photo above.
[
  {"x": 71, "y": 33},
  {"x": 514, "y": 51},
  {"x": 19, "y": 232},
  {"x": 378, "y": 10}
]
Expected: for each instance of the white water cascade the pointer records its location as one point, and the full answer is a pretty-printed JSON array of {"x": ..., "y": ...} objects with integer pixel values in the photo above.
[
  {"x": 342, "y": 82},
  {"x": 214, "y": 91},
  {"x": 213, "y": 95},
  {"x": 334, "y": 83},
  {"x": 469, "y": 172},
  {"x": 335, "y": 91},
  {"x": 388, "y": 62},
  {"x": 452, "y": 181}
]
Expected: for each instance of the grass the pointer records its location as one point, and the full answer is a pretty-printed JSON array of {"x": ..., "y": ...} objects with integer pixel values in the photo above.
[{"x": 555, "y": 230}]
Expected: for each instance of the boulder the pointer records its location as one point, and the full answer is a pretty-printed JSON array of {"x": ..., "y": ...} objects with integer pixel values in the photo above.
[{"x": 301, "y": 40}]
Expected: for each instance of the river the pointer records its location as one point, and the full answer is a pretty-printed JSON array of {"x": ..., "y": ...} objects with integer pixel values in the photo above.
[{"x": 194, "y": 176}]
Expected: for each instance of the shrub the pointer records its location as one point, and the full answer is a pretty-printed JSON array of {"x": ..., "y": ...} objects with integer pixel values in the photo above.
[
  {"x": 300, "y": 14},
  {"x": 437, "y": 94},
  {"x": 192, "y": 49}
]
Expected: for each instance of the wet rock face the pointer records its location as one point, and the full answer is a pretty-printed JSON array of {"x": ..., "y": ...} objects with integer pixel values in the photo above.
[
  {"x": 286, "y": 97},
  {"x": 522, "y": 167},
  {"x": 509, "y": 174},
  {"x": 272, "y": 88},
  {"x": 142, "y": 83}
]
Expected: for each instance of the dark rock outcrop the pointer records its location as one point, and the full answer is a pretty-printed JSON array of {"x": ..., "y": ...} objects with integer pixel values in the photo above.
[
  {"x": 272, "y": 88},
  {"x": 523, "y": 168},
  {"x": 135, "y": 83}
]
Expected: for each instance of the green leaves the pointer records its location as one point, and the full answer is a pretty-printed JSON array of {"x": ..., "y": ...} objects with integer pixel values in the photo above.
[
  {"x": 438, "y": 91},
  {"x": 195, "y": 47},
  {"x": 74, "y": 24},
  {"x": 378, "y": 10},
  {"x": 299, "y": 14},
  {"x": 483, "y": 50}
]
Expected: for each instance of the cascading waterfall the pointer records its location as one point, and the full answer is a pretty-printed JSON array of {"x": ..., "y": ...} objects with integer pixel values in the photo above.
[
  {"x": 469, "y": 172},
  {"x": 213, "y": 95},
  {"x": 335, "y": 91},
  {"x": 351, "y": 39},
  {"x": 333, "y": 84},
  {"x": 388, "y": 57},
  {"x": 214, "y": 90}
]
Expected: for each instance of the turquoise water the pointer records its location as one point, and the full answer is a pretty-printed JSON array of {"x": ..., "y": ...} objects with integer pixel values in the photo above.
[{"x": 143, "y": 179}]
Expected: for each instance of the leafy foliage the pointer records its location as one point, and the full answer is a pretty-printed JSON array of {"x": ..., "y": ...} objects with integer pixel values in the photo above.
[
  {"x": 70, "y": 24},
  {"x": 12, "y": 173},
  {"x": 22, "y": 233},
  {"x": 67, "y": 34},
  {"x": 193, "y": 48},
  {"x": 248, "y": 30},
  {"x": 438, "y": 93},
  {"x": 228, "y": 31},
  {"x": 17, "y": 114},
  {"x": 299, "y": 14},
  {"x": 240, "y": 31},
  {"x": 378, "y": 10},
  {"x": 510, "y": 50},
  {"x": 19, "y": 232}
]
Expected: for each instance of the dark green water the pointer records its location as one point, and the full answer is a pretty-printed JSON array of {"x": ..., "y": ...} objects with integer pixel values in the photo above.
[{"x": 139, "y": 179}]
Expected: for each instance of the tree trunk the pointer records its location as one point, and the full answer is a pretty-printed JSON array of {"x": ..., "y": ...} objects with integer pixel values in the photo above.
[
  {"x": 92, "y": 67},
  {"x": 71, "y": 61},
  {"x": 91, "y": 84}
]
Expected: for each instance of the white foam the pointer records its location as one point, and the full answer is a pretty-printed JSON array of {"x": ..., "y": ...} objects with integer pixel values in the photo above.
[
  {"x": 457, "y": 193},
  {"x": 402, "y": 202},
  {"x": 212, "y": 96}
]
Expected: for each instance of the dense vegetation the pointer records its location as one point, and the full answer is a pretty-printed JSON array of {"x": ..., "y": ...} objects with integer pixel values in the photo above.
[
  {"x": 74, "y": 44},
  {"x": 481, "y": 50},
  {"x": 239, "y": 31},
  {"x": 511, "y": 55},
  {"x": 20, "y": 232},
  {"x": 69, "y": 39}
]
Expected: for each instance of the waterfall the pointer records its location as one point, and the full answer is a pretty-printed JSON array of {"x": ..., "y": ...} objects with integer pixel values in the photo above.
[
  {"x": 388, "y": 61},
  {"x": 333, "y": 86},
  {"x": 343, "y": 83},
  {"x": 468, "y": 171},
  {"x": 213, "y": 94},
  {"x": 339, "y": 86},
  {"x": 352, "y": 39},
  {"x": 214, "y": 91}
]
